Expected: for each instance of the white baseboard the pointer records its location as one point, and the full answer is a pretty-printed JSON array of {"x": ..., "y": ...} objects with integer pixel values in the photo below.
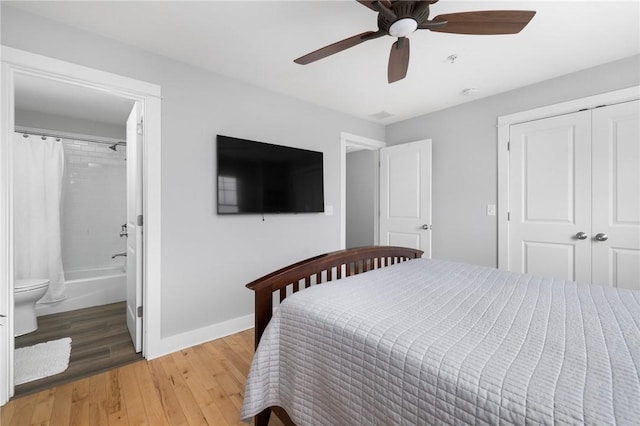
[{"x": 172, "y": 344}]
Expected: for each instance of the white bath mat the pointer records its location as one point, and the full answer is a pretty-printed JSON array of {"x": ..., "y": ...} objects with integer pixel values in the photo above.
[{"x": 41, "y": 360}]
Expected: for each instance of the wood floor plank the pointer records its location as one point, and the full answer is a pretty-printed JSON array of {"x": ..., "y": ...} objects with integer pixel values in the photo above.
[
  {"x": 6, "y": 412},
  {"x": 227, "y": 374},
  {"x": 215, "y": 388},
  {"x": 61, "y": 411},
  {"x": 234, "y": 355},
  {"x": 248, "y": 337},
  {"x": 44, "y": 405},
  {"x": 185, "y": 397},
  {"x": 116, "y": 406},
  {"x": 98, "y": 400},
  {"x": 80, "y": 403},
  {"x": 136, "y": 413},
  {"x": 239, "y": 346},
  {"x": 23, "y": 412},
  {"x": 170, "y": 404},
  {"x": 150, "y": 395},
  {"x": 196, "y": 384}
]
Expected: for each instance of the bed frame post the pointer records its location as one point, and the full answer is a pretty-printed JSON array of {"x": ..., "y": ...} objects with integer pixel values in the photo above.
[
  {"x": 262, "y": 419},
  {"x": 264, "y": 310}
]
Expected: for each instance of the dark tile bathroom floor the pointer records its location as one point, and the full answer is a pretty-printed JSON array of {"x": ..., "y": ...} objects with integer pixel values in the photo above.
[{"x": 99, "y": 341}]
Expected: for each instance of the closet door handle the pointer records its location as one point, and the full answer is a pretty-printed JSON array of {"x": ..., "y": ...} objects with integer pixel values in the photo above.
[
  {"x": 601, "y": 237},
  {"x": 581, "y": 235}
]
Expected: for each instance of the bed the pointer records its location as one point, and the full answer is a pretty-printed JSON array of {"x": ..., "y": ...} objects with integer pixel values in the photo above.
[{"x": 391, "y": 338}]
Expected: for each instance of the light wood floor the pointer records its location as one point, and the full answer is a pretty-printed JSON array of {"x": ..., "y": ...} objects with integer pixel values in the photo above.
[{"x": 202, "y": 385}]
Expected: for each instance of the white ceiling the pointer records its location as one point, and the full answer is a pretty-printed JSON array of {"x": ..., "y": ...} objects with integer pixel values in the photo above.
[{"x": 257, "y": 41}]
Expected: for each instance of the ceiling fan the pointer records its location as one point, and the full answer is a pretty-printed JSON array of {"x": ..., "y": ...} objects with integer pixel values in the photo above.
[{"x": 399, "y": 18}]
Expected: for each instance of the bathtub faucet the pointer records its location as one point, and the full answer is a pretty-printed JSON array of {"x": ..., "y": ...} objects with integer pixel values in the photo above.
[{"x": 123, "y": 254}]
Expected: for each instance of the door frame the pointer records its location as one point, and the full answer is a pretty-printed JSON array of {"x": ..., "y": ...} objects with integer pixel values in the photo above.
[
  {"x": 504, "y": 124},
  {"x": 359, "y": 142},
  {"x": 17, "y": 62}
]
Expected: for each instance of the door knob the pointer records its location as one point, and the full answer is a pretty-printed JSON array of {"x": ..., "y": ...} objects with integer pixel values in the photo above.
[
  {"x": 425, "y": 227},
  {"x": 581, "y": 235},
  {"x": 601, "y": 237}
]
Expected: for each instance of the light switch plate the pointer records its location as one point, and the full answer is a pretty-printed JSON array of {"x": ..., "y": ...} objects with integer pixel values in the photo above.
[
  {"x": 491, "y": 209},
  {"x": 328, "y": 210}
]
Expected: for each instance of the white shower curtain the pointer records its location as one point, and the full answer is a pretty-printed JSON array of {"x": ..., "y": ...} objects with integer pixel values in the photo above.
[{"x": 37, "y": 189}]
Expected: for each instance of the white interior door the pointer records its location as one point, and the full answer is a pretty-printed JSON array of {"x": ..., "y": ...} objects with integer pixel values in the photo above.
[
  {"x": 405, "y": 195},
  {"x": 550, "y": 197},
  {"x": 616, "y": 195},
  {"x": 134, "y": 225}
]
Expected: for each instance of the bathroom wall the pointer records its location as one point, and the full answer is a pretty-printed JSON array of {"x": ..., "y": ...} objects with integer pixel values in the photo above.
[{"x": 93, "y": 205}]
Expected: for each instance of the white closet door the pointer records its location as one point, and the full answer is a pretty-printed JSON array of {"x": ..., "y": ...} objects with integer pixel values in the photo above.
[
  {"x": 405, "y": 195},
  {"x": 550, "y": 197},
  {"x": 616, "y": 195}
]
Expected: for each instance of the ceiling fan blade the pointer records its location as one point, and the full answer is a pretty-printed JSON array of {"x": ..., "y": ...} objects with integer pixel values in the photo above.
[
  {"x": 486, "y": 22},
  {"x": 339, "y": 46},
  {"x": 398, "y": 60},
  {"x": 370, "y": 4}
]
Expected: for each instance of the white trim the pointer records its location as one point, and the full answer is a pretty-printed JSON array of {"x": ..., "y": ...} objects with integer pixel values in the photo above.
[
  {"x": 359, "y": 142},
  {"x": 152, "y": 206},
  {"x": 504, "y": 123},
  {"x": 42, "y": 66},
  {"x": 614, "y": 97},
  {"x": 14, "y": 62},
  {"x": 6, "y": 237},
  {"x": 205, "y": 334}
]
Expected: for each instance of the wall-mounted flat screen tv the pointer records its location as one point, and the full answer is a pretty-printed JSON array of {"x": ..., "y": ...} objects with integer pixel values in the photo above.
[{"x": 257, "y": 177}]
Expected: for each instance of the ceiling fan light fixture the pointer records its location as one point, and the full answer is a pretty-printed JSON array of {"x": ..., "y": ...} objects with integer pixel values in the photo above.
[{"x": 403, "y": 27}]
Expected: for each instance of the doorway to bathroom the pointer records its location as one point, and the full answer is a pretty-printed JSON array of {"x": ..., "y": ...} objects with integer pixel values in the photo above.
[
  {"x": 75, "y": 203},
  {"x": 18, "y": 65}
]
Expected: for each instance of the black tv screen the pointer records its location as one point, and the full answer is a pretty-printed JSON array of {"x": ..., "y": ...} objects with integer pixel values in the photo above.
[{"x": 257, "y": 177}]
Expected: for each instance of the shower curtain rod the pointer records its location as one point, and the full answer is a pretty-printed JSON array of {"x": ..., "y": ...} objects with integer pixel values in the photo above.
[{"x": 72, "y": 136}]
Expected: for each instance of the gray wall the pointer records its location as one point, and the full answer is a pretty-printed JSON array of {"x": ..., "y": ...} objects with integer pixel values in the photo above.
[
  {"x": 361, "y": 200},
  {"x": 207, "y": 259},
  {"x": 465, "y": 154}
]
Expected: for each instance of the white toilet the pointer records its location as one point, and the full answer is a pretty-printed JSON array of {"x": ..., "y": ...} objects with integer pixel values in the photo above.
[{"x": 26, "y": 293}]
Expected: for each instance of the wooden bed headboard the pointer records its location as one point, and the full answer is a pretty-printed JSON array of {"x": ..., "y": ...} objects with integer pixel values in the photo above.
[{"x": 316, "y": 270}]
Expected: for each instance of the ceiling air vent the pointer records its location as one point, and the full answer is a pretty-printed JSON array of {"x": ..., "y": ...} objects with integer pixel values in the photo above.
[{"x": 381, "y": 115}]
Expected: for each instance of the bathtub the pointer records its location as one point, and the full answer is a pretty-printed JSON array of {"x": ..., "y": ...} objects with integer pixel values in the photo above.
[{"x": 89, "y": 287}]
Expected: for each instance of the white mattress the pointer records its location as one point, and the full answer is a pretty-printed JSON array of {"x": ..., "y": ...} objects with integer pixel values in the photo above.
[{"x": 432, "y": 342}]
